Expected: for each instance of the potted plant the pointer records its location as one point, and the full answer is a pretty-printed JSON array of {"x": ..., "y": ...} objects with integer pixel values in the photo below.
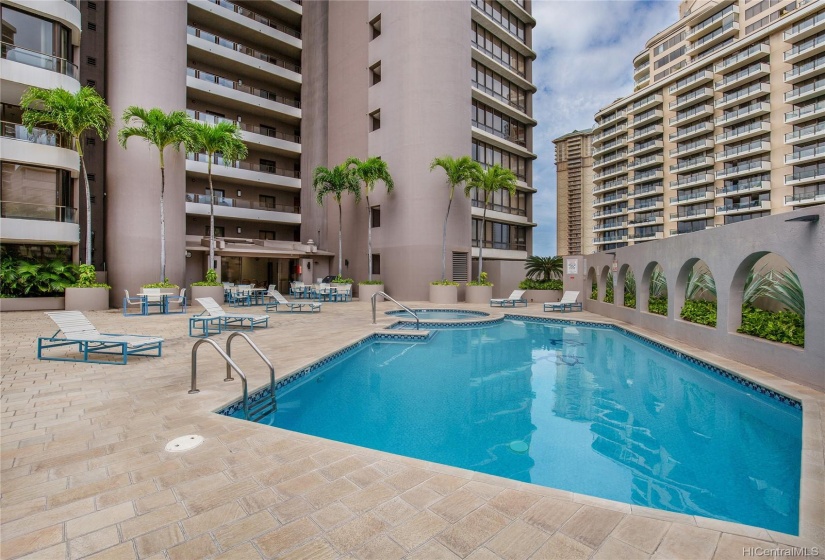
[
  {"x": 87, "y": 294},
  {"x": 209, "y": 287},
  {"x": 479, "y": 291},
  {"x": 443, "y": 291},
  {"x": 367, "y": 288}
]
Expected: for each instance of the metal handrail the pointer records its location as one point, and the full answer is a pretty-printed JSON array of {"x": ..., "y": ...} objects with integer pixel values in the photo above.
[
  {"x": 261, "y": 355},
  {"x": 401, "y": 305},
  {"x": 229, "y": 364}
]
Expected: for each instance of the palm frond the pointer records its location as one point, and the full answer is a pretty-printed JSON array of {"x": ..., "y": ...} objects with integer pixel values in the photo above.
[
  {"x": 222, "y": 138},
  {"x": 543, "y": 269},
  {"x": 336, "y": 181}
]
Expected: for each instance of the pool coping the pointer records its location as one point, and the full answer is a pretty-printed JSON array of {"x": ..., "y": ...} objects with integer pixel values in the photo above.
[{"x": 811, "y": 512}]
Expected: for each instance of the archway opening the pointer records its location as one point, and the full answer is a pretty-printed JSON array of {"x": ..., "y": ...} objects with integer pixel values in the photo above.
[
  {"x": 592, "y": 281},
  {"x": 699, "y": 305},
  {"x": 607, "y": 279},
  {"x": 657, "y": 291},
  {"x": 628, "y": 281}
]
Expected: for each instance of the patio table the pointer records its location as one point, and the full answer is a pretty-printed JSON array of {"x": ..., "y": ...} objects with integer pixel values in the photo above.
[{"x": 164, "y": 302}]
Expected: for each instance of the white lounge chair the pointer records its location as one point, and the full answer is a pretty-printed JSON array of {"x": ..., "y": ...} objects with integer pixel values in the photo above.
[
  {"x": 77, "y": 329},
  {"x": 568, "y": 303},
  {"x": 279, "y": 299},
  {"x": 516, "y": 298},
  {"x": 212, "y": 308}
]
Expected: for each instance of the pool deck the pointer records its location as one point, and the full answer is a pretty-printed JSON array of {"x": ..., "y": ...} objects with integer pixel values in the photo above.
[{"x": 85, "y": 475}]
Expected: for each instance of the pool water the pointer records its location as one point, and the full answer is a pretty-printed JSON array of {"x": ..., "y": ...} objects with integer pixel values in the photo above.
[
  {"x": 438, "y": 314},
  {"x": 589, "y": 410}
]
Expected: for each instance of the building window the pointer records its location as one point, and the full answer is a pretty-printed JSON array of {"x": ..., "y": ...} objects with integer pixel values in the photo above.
[
  {"x": 90, "y": 177},
  {"x": 91, "y": 26},
  {"x": 36, "y": 193},
  {"x": 375, "y": 27},
  {"x": 266, "y": 201},
  {"x": 376, "y": 264},
  {"x": 90, "y": 141},
  {"x": 91, "y": 83},
  {"x": 375, "y": 73},
  {"x": 30, "y": 32},
  {"x": 267, "y": 235},
  {"x": 91, "y": 61},
  {"x": 375, "y": 120},
  {"x": 376, "y": 216},
  {"x": 460, "y": 268},
  {"x": 93, "y": 5},
  {"x": 219, "y": 231}
]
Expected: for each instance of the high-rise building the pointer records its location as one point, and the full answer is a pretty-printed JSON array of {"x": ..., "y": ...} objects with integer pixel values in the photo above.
[
  {"x": 396, "y": 80},
  {"x": 574, "y": 193},
  {"x": 726, "y": 123}
]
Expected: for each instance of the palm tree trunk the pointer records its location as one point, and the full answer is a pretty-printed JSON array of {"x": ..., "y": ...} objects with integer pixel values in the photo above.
[
  {"x": 483, "y": 237},
  {"x": 211, "y": 214},
  {"x": 340, "y": 242},
  {"x": 444, "y": 241},
  {"x": 369, "y": 240},
  {"x": 88, "y": 201},
  {"x": 162, "y": 222}
]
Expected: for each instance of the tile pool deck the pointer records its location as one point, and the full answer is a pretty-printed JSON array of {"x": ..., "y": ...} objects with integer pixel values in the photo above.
[{"x": 85, "y": 475}]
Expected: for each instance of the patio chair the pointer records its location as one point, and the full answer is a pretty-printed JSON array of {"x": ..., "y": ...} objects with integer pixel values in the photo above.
[
  {"x": 568, "y": 303},
  {"x": 180, "y": 300},
  {"x": 213, "y": 309},
  {"x": 129, "y": 301},
  {"x": 237, "y": 297},
  {"x": 279, "y": 299},
  {"x": 344, "y": 293},
  {"x": 154, "y": 299},
  {"x": 77, "y": 329},
  {"x": 516, "y": 298}
]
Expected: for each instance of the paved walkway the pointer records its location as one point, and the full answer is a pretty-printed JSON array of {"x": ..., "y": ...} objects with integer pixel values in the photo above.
[{"x": 85, "y": 474}]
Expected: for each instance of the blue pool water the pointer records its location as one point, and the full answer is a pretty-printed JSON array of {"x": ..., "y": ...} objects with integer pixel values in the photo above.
[
  {"x": 589, "y": 410},
  {"x": 438, "y": 314}
]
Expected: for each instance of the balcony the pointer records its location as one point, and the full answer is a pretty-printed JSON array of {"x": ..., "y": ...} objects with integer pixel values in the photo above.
[
  {"x": 607, "y": 160},
  {"x": 15, "y": 53},
  {"x": 805, "y": 70},
  {"x": 692, "y": 213},
  {"x": 198, "y": 205},
  {"x": 607, "y": 134},
  {"x": 692, "y": 164},
  {"x": 609, "y": 212},
  {"x": 692, "y": 198},
  {"x": 610, "y": 224},
  {"x": 747, "y": 112},
  {"x": 743, "y": 132},
  {"x": 643, "y": 67},
  {"x": 646, "y": 190},
  {"x": 807, "y": 198},
  {"x": 611, "y": 185},
  {"x": 800, "y": 51},
  {"x": 812, "y": 175},
  {"x": 23, "y": 222},
  {"x": 747, "y": 168},
  {"x": 742, "y": 58},
  {"x": 41, "y": 147},
  {"x": 744, "y": 187},
  {"x": 805, "y": 134},
  {"x": 265, "y": 136},
  {"x": 651, "y": 175},
  {"x": 736, "y": 152},
  {"x": 806, "y": 92},
  {"x": 806, "y": 28},
  {"x": 690, "y": 98},
  {"x": 649, "y": 220},
  {"x": 699, "y": 78},
  {"x": 618, "y": 142},
  {"x": 711, "y": 23},
  {"x": 515, "y": 74},
  {"x": 252, "y": 174},
  {"x": 647, "y": 161},
  {"x": 648, "y": 235},
  {"x": 515, "y": 106},
  {"x": 250, "y": 18},
  {"x": 609, "y": 199},
  {"x": 641, "y": 82},
  {"x": 692, "y": 131},
  {"x": 685, "y": 117},
  {"x": 743, "y": 207},
  {"x": 610, "y": 119},
  {"x": 23, "y": 68},
  {"x": 615, "y": 238},
  {"x": 647, "y": 132},
  {"x": 692, "y": 181},
  {"x": 805, "y": 155},
  {"x": 610, "y": 172},
  {"x": 742, "y": 95},
  {"x": 646, "y": 205},
  {"x": 807, "y": 112},
  {"x": 513, "y": 35},
  {"x": 692, "y": 147},
  {"x": 647, "y": 117},
  {"x": 508, "y": 140},
  {"x": 752, "y": 72},
  {"x": 41, "y": 136},
  {"x": 224, "y": 90},
  {"x": 728, "y": 30}
]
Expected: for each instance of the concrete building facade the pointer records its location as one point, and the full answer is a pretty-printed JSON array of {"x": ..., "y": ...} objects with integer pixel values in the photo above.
[
  {"x": 574, "y": 193},
  {"x": 725, "y": 123}
]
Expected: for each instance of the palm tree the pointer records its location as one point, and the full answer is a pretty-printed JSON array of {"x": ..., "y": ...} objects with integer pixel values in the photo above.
[
  {"x": 73, "y": 114},
  {"x": 224, "y": 138},
  {"x": 371, "y": 171},
  {"x": 336, "y": 181},
  {"x": 543, "y": 269},
  {"x": 160, "y": 130},
  {"x": 458, "y": 170},
  {"x": 489, "y": 181}
]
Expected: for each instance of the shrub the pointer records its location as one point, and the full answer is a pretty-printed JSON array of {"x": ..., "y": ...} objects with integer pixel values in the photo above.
[
  {"x": 371, "y": 282},
  {"x": 700, "y": 312},
  {"x": 210, "y": 280},
  {"x": 341, "y": 280},
  {"x": 86, "y": 278},
  {"x": 630, "y": 300},
  {"x": 657, "y": 305},
  {"x": 783, "y": 326},
  {"x": 165, "y": 284},
  {"x": 443, "y": 283},
  {"x": 482, "y": 281},
  {"x": 25, "y": 278},
  {"x": 529, "y": 284}
]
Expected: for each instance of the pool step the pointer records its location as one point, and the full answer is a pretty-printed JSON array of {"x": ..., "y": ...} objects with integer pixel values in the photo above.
[{"x": 262, "y": 408}]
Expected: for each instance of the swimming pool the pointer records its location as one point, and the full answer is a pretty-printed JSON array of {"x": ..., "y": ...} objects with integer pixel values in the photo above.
[
  {"x": 439, "y": 314},
  {"x": 589, "y": 410}
]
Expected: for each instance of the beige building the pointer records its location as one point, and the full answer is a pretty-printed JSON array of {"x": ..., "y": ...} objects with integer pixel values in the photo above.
[
  {"x": 574, "y": 193},
  {"x": 726, "y": 123}
]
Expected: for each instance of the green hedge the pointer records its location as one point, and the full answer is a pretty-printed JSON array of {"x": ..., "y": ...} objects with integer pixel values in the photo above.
[
  {"x": 528, "y": 284},
  {"x": 783, "y": 326},
  {"x": 700, "y": 312},
  {"x": 657, "y": 305}
]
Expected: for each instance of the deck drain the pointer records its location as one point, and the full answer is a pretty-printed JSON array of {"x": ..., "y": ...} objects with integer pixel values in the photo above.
[
  {"x": 519, "y": 446},
  {"x": 184, "y": 443}
]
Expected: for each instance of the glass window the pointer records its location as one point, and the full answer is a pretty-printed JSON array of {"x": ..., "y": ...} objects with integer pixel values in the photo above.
[{"x": 36, "y": 193}]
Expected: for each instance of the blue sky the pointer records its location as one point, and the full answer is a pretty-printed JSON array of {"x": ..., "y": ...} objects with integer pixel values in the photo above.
[{"x": 585, "y": 61}]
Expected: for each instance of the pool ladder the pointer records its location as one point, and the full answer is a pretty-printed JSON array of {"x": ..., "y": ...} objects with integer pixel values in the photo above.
[
  {"x": 254, "y": 411},
  {"x": 401, "y": 305}
]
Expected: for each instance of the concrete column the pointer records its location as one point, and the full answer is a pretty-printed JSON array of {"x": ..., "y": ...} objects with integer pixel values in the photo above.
[{"x": 146, "y": 67}]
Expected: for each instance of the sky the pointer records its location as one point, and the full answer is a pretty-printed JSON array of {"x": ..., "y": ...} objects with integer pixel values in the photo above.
[{"x": 585, "y": 61}]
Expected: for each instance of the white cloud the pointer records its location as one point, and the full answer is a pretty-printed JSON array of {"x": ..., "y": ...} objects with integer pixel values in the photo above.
[{"x": 585, "y": 61}]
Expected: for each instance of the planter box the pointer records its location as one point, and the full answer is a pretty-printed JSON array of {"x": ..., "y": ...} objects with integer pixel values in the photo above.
[
  {"x": 215, "y": 292},
  {"x": 478, "y": 294},
  {"x": 365, "y": 292},
  {"x": 87, "y": 299},
  {"x": 33, "y": 304},
  {"x": 544, "y": 296},
  {"x": 443, "y": 294}
]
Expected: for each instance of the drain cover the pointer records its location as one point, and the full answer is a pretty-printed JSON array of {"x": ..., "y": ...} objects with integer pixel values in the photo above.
[
  {"x": 184, "y": 443},
  {"x": 519, "y": 446}
]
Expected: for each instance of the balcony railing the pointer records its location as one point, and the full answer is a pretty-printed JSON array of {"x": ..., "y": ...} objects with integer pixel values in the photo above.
[
  {"x": 710, "y": 37},
  {"x": 743, "y": 149},
  {"x": 731, "y": 60},
  {"x": 758, "y": 68},
  {"x": 519, "y": 103},
  {"x": 500, "y": 208},
  {"x": 812, "y": 152},
  {"x": 711, "y": 20},
  {"x": 237, "y": 47},
  {"x": 701, "y": 144},
  {"x": 744, "y": 92},
  {"x": 507, "y": 246},
  {"x": 810, "y": 44},
  {"x": 729, "y": 116},
  {"x": 802, "y": 112},
  {"x": 692, "y": 129},
  {"x": 485, "y": 9},
  {"x": 498, "y": 58},
  {"x": 804, "y": 90},
  {"x": 262, "y": 130},
  {"x": 29, "y": 57},
  {"x": 743, "y": 206},
  {"x": 803, "y": 25},
  {"x": 258, "y": 17},
  {"x": 698, "y": 110},
  {"x": 702, "y": 75},
  {"x": 501, "y": 134},
  {"x": 41, "y": 212},
  {"x": 810, "y": 130},
  {"x": 217, "y": 160},
  {"x": 758, "y": 126},
  {"x": 238, "y": 86},
  {"x": 799, "y": 69},
  {"x": 36, "y": 136},
  {"x": 689, "y": 197},
  {"x": 747, "y": 166},
  {"x": 653, "y": 217},
  {"x": 236, "y": 203},
  {"x": 814, "y": 173},
  {"x": 817, "y": 195},
  {"x": 751, "y": 185},
  {"x": 688, "y": 97}
]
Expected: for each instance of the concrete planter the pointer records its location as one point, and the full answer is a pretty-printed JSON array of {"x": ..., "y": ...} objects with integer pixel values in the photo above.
[
  {"x": 366, "y": 291},
  {"x": 443, "y": 294},
  {"x": 478, "y": 294},
  {"x": 33, "y": 304},
  {"x": 544, "y": 296},
  {"x": 87, "y": 299},
  {"x": 215, "y": 292}
]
